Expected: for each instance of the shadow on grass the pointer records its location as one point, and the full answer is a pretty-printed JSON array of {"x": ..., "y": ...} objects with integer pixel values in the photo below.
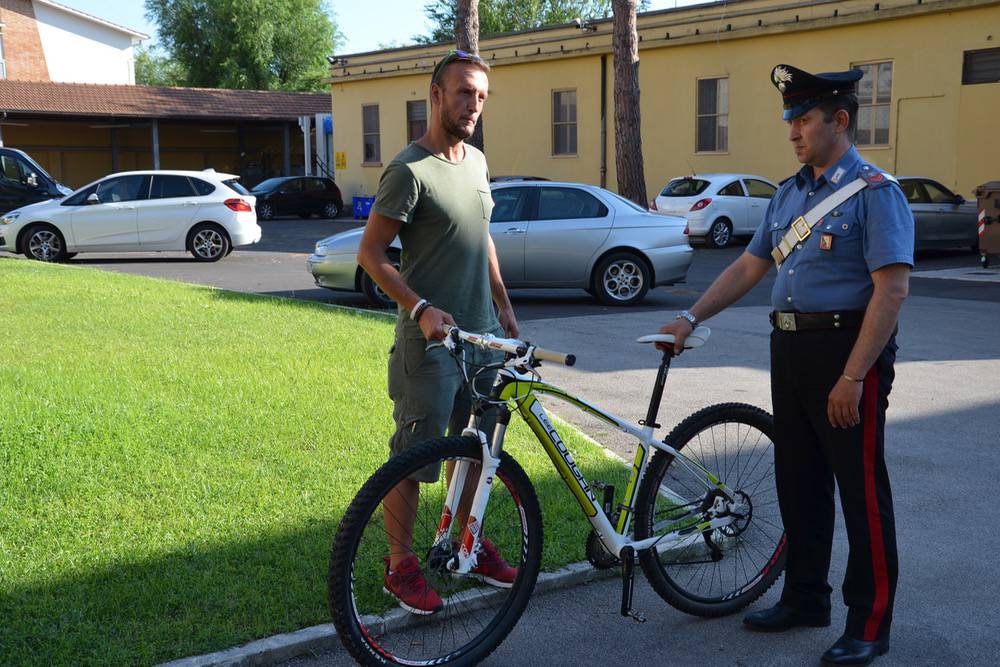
[{"x": 209, "y": 597}]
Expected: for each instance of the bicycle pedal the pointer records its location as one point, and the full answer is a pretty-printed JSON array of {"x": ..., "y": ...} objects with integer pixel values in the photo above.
[{"x": 637, "y": 616}]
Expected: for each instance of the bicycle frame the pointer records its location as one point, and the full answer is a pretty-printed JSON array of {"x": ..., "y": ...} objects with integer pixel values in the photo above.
[{"x": 523, "y": 390}]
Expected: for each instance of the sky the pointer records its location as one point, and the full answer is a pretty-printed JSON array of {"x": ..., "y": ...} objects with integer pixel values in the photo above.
[{"x": 365, "y": 25}]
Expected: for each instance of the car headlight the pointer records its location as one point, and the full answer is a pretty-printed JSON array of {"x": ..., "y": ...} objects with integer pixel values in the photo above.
[
  {"x": 10, "y": 218},
  {"x": 320, "y": 250}
]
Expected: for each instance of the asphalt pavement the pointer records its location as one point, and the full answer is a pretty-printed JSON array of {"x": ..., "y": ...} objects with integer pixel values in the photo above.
[{"x": 941, "y": 448}]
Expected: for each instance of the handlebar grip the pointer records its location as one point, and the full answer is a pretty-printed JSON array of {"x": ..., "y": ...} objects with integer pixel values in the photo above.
[{"x": 557, "y": 357}]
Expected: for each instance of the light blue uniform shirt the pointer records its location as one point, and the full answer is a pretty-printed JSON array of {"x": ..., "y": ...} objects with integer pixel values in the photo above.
[{"x": 870, "y": 230}]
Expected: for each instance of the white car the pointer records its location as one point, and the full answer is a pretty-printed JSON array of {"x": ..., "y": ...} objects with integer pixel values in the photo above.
[
  {"x": 203, "y": 212},
  {"x": 717, "y": 206}
]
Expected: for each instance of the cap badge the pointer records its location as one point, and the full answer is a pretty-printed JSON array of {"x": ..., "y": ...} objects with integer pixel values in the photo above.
[{"x": 781, "y": 77}]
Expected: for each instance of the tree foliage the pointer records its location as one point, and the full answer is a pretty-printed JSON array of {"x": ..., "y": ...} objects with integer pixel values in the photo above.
[
  {"x": 499, "y": 16},
  {"x": 153, "y": 68},
  {"x": 249, "y": 44}
]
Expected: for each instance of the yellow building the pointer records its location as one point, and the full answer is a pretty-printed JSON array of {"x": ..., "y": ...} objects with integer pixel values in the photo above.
[{"x": 930, "y": 99}]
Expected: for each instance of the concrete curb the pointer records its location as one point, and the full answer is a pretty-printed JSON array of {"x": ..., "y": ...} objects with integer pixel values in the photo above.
[{"x": 322, "y": 638}]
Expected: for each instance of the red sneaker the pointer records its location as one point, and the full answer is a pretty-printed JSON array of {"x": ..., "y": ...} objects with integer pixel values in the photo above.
[
  {"x": 492, "y": 568},
  {"x": 408, "y": 586}
]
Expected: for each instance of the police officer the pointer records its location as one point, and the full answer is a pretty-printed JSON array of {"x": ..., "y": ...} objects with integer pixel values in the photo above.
[{"x": 841, "y": 234}]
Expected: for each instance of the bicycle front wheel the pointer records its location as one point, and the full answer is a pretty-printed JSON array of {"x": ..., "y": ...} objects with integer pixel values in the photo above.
[
  {"x": 474, "y": 616},
  {"x": 713, "y": 572}
]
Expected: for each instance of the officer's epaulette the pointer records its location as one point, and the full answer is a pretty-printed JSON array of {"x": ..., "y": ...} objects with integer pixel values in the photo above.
[{"x": 875, "y": 177}]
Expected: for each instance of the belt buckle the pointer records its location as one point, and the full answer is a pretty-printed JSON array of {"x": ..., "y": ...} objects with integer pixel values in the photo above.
[
  {"x": 800, "y": 223},
  {"x": 786, "y": 321}
]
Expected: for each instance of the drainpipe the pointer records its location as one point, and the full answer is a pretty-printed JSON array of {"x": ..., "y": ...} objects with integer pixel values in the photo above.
[{"x": 604, "y": 121}]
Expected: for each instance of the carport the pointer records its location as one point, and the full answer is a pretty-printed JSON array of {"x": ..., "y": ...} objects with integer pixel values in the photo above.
[{"x": 80, "y": 132}]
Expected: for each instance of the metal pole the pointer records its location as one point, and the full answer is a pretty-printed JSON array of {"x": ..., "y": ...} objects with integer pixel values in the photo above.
[
  {"x": 306, "y": 125},
  {"x": 156, "y": 144}
]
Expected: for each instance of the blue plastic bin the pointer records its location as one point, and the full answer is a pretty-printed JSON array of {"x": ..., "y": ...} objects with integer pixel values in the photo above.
[{"x": 362, "y": 206}]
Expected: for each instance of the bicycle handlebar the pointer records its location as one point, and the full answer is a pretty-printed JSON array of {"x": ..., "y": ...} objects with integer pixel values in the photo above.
[{"x": 510, "y": 345}]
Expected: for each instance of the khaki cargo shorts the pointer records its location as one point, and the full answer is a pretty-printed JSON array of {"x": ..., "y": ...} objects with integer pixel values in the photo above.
[{"x": 426, "y": 388}]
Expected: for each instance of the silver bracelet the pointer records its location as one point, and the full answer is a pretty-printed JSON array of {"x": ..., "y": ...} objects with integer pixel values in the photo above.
[{"x": 416, "y": 309}]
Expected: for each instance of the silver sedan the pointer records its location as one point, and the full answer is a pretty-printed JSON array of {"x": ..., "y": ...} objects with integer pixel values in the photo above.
[{"x": 549, "y": 234}]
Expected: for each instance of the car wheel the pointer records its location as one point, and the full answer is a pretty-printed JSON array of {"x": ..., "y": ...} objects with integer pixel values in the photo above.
[
  {"x": 208, "y": 243},
  {"x": 621, "y": 279},
  {"x": 331, "y": 210},
  {"x": 720, "y": 234},
  {"x": 265, "y": 211},
  {"x": 44, "y": 243},
  {"x": 376, "y": 297}
]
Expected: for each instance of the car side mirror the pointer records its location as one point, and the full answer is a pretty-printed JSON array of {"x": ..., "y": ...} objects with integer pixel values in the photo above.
[
  {"x": 959, "y": 199},
  {"x": 92, "y": 198}
]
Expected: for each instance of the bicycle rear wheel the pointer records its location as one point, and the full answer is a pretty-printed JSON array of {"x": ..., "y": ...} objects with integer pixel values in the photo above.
[
  {"x": 720, "y": 571},
  {"x": 476, "y": 617}
]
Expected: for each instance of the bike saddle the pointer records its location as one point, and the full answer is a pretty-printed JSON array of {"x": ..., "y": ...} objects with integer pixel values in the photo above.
[{"x": 697, "y": 338}]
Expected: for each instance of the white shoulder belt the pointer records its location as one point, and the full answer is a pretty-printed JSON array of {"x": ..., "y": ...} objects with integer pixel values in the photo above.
[{"x": 802, "y": 227}]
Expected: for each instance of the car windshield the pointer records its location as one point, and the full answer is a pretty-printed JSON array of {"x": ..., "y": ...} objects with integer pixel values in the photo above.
[
  {"x": 684, "y": 187},
  {"x": 235, "y": 186},
  {"x": 628, "y": 202},
  {"x": 269, "y": 184}
]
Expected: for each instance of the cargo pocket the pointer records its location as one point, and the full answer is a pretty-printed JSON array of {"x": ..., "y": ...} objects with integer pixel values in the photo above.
[{"x": 843, "y": 236}]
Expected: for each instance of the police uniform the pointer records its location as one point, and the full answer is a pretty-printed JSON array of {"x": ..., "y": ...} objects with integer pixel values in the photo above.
[{"x": 819, "y": 297}]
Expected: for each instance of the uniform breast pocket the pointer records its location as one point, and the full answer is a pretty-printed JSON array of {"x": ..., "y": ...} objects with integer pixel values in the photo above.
[
  {"x": 839, "y": 235},
  {"x": 486, "y": 198},
  {"x": 778, "y": 230}
]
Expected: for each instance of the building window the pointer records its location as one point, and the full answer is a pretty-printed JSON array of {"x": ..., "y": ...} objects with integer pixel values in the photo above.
[
  {"x": 874, "y": 96},
  {"x": 982, "y": 66},
  {"x": 713, "y": 115},
  {"x": 373, "y": 147},
  {"x": 3, "y": 62},
  {"x": 564, "y": 122},
  {"x": 416, "y": 119}
]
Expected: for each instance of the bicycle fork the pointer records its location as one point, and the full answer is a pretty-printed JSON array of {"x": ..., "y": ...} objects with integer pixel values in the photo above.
[{"x": 465, "y": 559}]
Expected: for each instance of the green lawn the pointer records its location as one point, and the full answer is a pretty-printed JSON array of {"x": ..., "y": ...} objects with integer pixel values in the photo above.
[{"x": 175, "y": 460}]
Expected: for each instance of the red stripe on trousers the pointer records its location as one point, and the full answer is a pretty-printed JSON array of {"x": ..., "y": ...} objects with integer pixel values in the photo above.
[{"x": 871, "y": 501}]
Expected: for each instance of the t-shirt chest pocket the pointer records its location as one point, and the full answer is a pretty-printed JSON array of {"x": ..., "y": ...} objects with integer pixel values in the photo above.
[{"x": 486, "y": 199}]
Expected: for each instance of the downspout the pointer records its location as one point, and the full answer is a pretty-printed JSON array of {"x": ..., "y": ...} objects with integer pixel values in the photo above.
[{"x": 604, "y": 121}]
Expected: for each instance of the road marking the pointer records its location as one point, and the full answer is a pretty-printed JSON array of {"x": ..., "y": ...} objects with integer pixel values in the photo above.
[{"x": 966, "y": 273}]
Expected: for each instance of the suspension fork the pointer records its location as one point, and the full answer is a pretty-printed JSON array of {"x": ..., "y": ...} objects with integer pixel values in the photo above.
[{"x": 465, "y": 559}]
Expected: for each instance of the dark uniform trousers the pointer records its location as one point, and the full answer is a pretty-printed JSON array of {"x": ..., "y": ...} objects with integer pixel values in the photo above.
[{"x": 810, "y": 454}]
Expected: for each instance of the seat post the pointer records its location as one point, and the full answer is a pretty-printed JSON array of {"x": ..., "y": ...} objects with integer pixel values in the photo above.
[{"x": 661, "y": 380}]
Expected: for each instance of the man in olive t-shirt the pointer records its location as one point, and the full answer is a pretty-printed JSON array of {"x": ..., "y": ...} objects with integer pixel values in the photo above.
[{"x": 435, "y": 196}]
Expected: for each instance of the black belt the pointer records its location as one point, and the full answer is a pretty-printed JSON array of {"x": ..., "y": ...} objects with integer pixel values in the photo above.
[{"x": 845, "y": 319}]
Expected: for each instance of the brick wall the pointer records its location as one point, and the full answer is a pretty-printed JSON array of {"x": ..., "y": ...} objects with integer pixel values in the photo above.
[{"x": 22, "y": 47}]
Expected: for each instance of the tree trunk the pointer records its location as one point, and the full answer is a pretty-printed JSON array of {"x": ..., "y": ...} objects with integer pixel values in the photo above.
[
  {"x": 467, "y": 39},
  {"x": 628, "y": 126}
]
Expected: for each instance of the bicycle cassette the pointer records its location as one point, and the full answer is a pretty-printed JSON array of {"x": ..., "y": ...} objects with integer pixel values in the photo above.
[{"x": 597, "y": 554}]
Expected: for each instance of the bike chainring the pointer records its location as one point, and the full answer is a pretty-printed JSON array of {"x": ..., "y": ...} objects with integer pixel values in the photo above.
[{"x": 599, "y": 556}]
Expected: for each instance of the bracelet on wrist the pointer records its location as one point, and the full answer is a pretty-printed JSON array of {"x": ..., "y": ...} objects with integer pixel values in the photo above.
[
  {"x": 417, "y": 308},
  {"x": 850, "y": 379},
  {"x": 421, "y": 310}
]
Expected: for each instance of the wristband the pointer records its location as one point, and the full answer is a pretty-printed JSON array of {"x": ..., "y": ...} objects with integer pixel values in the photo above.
[
  {"x": 848, "y": 377},
  {"x": 416, "y": 309},
  {"x": 419, "y": 311}
]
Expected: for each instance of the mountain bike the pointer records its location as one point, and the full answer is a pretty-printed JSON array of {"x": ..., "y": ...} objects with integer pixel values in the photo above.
[{"x": 699, "y": 513}]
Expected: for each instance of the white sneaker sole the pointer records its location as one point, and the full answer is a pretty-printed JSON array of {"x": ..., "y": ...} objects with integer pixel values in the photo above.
[
  {"x": 412, "y": 610},
  {"x": 495, "y": 583}
]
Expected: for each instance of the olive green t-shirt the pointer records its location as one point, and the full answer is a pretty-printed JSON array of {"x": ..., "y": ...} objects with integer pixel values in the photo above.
[{"x": 445, "y": 209}]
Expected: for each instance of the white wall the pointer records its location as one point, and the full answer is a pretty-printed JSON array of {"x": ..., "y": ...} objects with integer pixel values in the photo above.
[{"x": 82, "y": 51}]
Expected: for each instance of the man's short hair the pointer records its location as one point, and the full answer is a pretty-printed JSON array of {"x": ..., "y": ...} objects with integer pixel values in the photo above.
[
  {"x": 848, "y": 103},
  {"x": 457, "y": 56}
]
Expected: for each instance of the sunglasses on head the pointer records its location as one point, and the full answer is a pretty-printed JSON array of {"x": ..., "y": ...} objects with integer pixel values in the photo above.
[{"x": 455, "y": 55}]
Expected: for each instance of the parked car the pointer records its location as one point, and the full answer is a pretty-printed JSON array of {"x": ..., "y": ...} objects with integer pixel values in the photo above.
[
  {"x": 717, "y": 206},
  {"x": 203, "y": 212},
  {"x": 23, "y": 181},
  {"x": 549, "y": 234},
  {"x": 298, "y": 195},
  {"x": 942, "y": 219}
]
